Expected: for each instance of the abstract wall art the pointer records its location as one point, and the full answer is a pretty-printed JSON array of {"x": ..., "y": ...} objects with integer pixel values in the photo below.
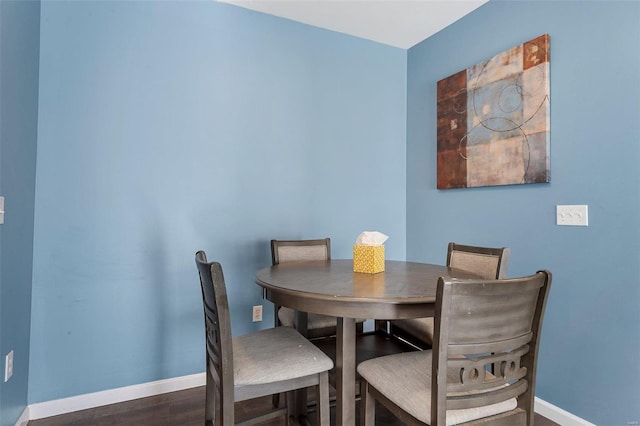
[{"x": 493, "y": 120}]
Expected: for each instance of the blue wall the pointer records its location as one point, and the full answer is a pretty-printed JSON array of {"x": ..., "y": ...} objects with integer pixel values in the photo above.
[
  {"x": 168, "y": 127},
  {"x": 591, "y": 338},
  {"x": 19, "y": 38}
]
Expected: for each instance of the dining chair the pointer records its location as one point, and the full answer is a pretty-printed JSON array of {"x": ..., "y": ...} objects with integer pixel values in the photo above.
[
  {"x": 479, "y": 323},
  {"x": 253, "y": 365},
  {"x": 486, "y": 262},
  {"x": 283, "y": 251}
]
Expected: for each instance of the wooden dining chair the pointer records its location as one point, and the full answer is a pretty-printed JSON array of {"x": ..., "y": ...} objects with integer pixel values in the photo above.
[
  {"x": 283, "y": 251},
  {"x": 479, "y": 323},
  {"x": 486, "y": 262},
  {"x": 257, "y": 364}
]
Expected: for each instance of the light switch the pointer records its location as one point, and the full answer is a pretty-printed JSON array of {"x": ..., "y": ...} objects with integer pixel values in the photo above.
[
  {"x": 574, "y": 215},
  {"x": 1, "y": 210}
]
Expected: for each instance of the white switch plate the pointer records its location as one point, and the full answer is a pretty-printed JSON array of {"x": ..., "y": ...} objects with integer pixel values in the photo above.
[
  {"x": 574, "y": 215},
  {"x": 8, "y": 366},
  {"x": 1, "y": 210}
]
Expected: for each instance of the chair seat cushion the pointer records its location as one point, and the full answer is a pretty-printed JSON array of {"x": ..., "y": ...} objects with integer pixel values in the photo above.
[
  {"x": 285, "y": 351},
  {"x": 405, "y": 379},
  {"x": 420, "y": 328},
  {"x": 314, "y": 321}
]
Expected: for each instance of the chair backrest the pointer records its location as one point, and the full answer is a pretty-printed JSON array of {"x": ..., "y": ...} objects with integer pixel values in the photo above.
[
  {"x": 479, "y": 323},
  {"x": 487, "y": 262},
  {"x": 217, "y": 321},
  {"x": 299, "y": 250}
]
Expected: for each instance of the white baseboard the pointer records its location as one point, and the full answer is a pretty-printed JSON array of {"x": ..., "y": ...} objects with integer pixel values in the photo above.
[
  {"x": 24, "y": 418},
  {"x": 558, "y": 415},
  {"x": 113, "y": 396},
  {"x": 143, "y": 390}
]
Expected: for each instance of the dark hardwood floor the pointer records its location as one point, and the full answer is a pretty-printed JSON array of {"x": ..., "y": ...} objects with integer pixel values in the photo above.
[{"x": 186, "y": 408}]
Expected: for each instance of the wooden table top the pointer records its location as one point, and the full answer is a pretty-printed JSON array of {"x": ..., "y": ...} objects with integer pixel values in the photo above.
[{"x": 403, "y": 290}]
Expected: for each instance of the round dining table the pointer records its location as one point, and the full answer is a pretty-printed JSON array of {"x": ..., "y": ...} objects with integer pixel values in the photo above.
[{"x": 330, "y": 287}]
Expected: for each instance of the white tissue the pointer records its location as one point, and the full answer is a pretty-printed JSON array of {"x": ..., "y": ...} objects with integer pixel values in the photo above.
[{"x": 371, "y": 238}]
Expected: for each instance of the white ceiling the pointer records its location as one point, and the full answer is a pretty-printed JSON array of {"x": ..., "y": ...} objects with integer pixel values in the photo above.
[{"x": 398, "y": 23}]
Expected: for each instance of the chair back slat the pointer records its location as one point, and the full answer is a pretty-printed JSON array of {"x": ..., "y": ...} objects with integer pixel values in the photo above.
[
  {"x": 482, "y": 323},
  {"x": 219, "y": 349},
  {"x": 300, "y": 250},
  {"x": 486, "y": 262},
  {"x": 496, "y": 314},
  {"x": 482, "y": 264},
  {"x": 479, "y": 348},
  {"x": 213, "y": 349}
]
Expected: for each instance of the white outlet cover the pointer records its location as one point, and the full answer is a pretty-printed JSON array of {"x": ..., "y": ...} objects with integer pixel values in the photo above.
[{"x": 257, "y": 313}]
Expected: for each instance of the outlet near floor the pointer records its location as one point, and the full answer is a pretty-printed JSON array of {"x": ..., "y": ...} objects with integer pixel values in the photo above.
[{"x": 257, "y": 313}]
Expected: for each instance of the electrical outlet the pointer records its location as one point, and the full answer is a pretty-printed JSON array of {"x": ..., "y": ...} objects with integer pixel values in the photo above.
[
  {"x": 257, "y": 313},
  {"x": 8, "y": 366}
]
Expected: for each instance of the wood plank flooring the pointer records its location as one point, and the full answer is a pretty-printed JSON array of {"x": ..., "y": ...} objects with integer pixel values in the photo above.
[{"x": 185, "y": 408}]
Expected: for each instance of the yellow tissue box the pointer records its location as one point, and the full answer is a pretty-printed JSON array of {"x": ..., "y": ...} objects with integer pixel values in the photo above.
[{"x": 368, "y": 259}]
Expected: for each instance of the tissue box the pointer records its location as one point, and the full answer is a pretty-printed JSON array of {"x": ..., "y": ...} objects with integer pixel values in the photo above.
[{"x": 369, "y": 259}]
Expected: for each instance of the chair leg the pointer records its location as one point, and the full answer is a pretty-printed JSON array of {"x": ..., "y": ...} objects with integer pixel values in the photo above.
[
  {"x": 367, "y": 405},
  {"x": 275, "y": 400},
  {"x": 322, "y": 400},
  {"x": 287, "y": 413},
  {"x": 290, "y": 406},
  {"x": 382, "y": 325},
  {"x": 210, "y": 403}
]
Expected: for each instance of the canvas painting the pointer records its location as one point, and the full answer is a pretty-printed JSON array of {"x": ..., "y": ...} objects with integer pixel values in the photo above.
[{"x": 493, "y": 120}]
